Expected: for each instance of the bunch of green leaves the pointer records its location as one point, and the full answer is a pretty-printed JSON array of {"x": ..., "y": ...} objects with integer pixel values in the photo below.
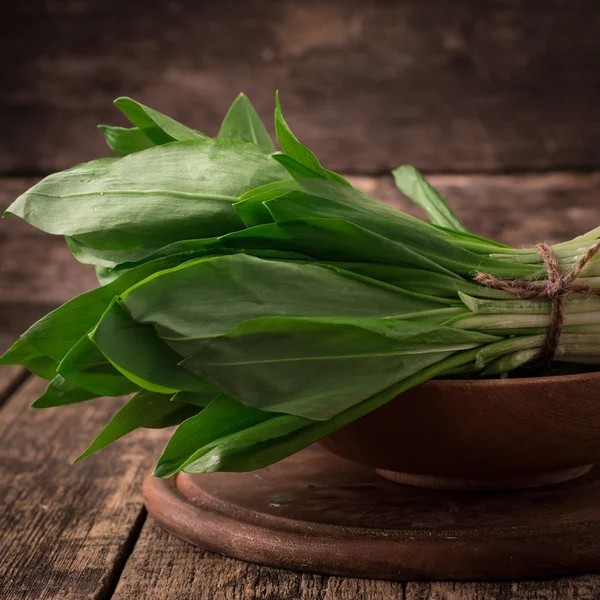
[{"x": 258, "y": 300}]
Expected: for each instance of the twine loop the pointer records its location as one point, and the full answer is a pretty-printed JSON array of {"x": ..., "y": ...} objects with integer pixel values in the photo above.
[{"x": 555, "y": 289}]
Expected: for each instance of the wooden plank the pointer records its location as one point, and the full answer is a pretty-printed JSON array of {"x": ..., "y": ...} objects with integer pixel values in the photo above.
[
  {"x": 66, "y": 530},
  {"x": 368, "y": 86},
  {"x": 165, "y": 567},
  {"x": 583, "y": 587},
  {"x": 11, "y": 378}
]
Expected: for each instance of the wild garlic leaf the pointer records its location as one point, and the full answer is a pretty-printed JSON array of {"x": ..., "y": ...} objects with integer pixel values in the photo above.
[
  {"x": 213, "y": 455},
  {"x": 24, "y": 354},
  {"x": 414, "y": 186},
  {"x": 124, "y": 141},
  {"x": 329, "y": 239},
  {"x": 316, "y": 368},
  {"x": 86, "y": 367},
  {"x": 145, "y": 409},
  {"x": 61, "y": 392},
  {"x": 205, "y": 298},
  {"x": 158, "y": 127},
  {"x": 296, "y": 151},
  {"x": 221, "y": 417},
  {"x": 251, "y": 208},
  {"x": 243, "y": 123},
  {"x": 113, "y": 203},
  {"x": 139, "y": 354}
]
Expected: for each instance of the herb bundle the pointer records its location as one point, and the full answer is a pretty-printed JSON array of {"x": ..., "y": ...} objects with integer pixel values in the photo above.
[{"x": 260, "y": 302}]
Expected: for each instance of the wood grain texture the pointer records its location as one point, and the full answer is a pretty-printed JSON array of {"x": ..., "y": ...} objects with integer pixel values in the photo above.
[
  {"x": 162, "y": 566},
  {"x": 316, "y": 512},
  {"x": 65, "y": 529},
  {"x": 11, "y": 378},
  {"x": 368, "y": 86},
  {"x": 584, "y": 587}
]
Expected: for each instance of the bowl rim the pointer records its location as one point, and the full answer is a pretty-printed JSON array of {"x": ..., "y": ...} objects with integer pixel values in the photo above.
[{"x": 518, "y": 381}]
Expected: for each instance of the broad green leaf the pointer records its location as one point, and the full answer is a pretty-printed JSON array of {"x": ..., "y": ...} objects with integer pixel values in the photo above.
[
  {"x": 24, "y": 354},
  {"x": 158, "y": 127},
  {"x": 205, "y": 298},
  {"x": 86, "y": 367},
  {"x": 221, "y": 417},
  {"x": 332, "y": 240},
  {"x": 414, "y": 186},
  {"x": 243, "y": 123},
  {"x": 114, "y": 203},
  {"x": 295, "y": 168},
  {"x": 330, "y": 199},
  {"x": 201, "y": 399},
  {"x": 124, "y": 141},
  {"x": 139, "y": 354},
  {"x": 423, "y": 282},
  {"x": 145, "y": 409},
  {"x": 294, "y": 149},
  {"x": 251, "y": 208},
  {"x": 316, "y": 368},
  {"x": 61, "y": 392}
]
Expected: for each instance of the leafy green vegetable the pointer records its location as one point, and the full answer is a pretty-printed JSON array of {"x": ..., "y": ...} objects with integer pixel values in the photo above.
[
  {"x": 413, "y": 185},
  {"x": 145, "y": 409},
  {"x": 123, "y": 141},
  {"x": 243, "y": 123},
  {"x": 61, "y": 392},
  {"x": 260, "y": 302},
  {"x": 113, "y": 203},
  {"x": 157, "y": 127}
]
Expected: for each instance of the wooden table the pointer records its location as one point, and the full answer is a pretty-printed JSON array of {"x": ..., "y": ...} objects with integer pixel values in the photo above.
[{"x": 74, "y": 532}]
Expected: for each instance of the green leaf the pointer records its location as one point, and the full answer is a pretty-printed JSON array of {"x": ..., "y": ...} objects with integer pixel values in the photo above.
[
  {"x": 201, "y": 399},
  {"x": 24, "y": 354},
  {"x": 413, "y": 185},
  {"x": 179, "y": 191},
  {"x": 316, "y": 368},
  {"x": 251, "y": 208},
  {"x": 221, "y": 417},
  {"x": 123, "y": 141},
  {"x": 61, "y": 392},
  {"x": 295, "y": 150},
  {"x": 243, "y": 123},
  {"x": 201, "y": 299},
  {"x": 295, "y": 168},
  {"x": 139, "y": 354},
  {"x": 332, "y": 240},
  {"x": 145, "y": 409},
  {"x": 156, "y": 126},
  {"x": 86, "y": 367}
]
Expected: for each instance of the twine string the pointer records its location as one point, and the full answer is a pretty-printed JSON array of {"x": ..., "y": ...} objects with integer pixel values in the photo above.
[{"x": 555, "y": 289}]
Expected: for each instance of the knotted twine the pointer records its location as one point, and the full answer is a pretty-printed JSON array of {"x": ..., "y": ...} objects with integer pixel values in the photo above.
[{"x": 555, "y": 289}]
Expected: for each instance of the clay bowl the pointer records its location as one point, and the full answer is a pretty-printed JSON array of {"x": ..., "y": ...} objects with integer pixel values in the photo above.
[{"x": 481, "y": 434}]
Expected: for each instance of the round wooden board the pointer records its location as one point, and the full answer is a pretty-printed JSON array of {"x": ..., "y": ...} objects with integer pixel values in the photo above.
[{"x": 320, "y": 513}]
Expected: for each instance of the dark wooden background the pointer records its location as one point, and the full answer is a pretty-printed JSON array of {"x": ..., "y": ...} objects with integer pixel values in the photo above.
[
  {"x": 449, "y": 85},
  {"x": 498, "y": 100}
]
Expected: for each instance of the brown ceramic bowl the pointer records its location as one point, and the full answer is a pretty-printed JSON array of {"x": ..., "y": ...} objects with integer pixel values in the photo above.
[{"x": 481, "y": 434}]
